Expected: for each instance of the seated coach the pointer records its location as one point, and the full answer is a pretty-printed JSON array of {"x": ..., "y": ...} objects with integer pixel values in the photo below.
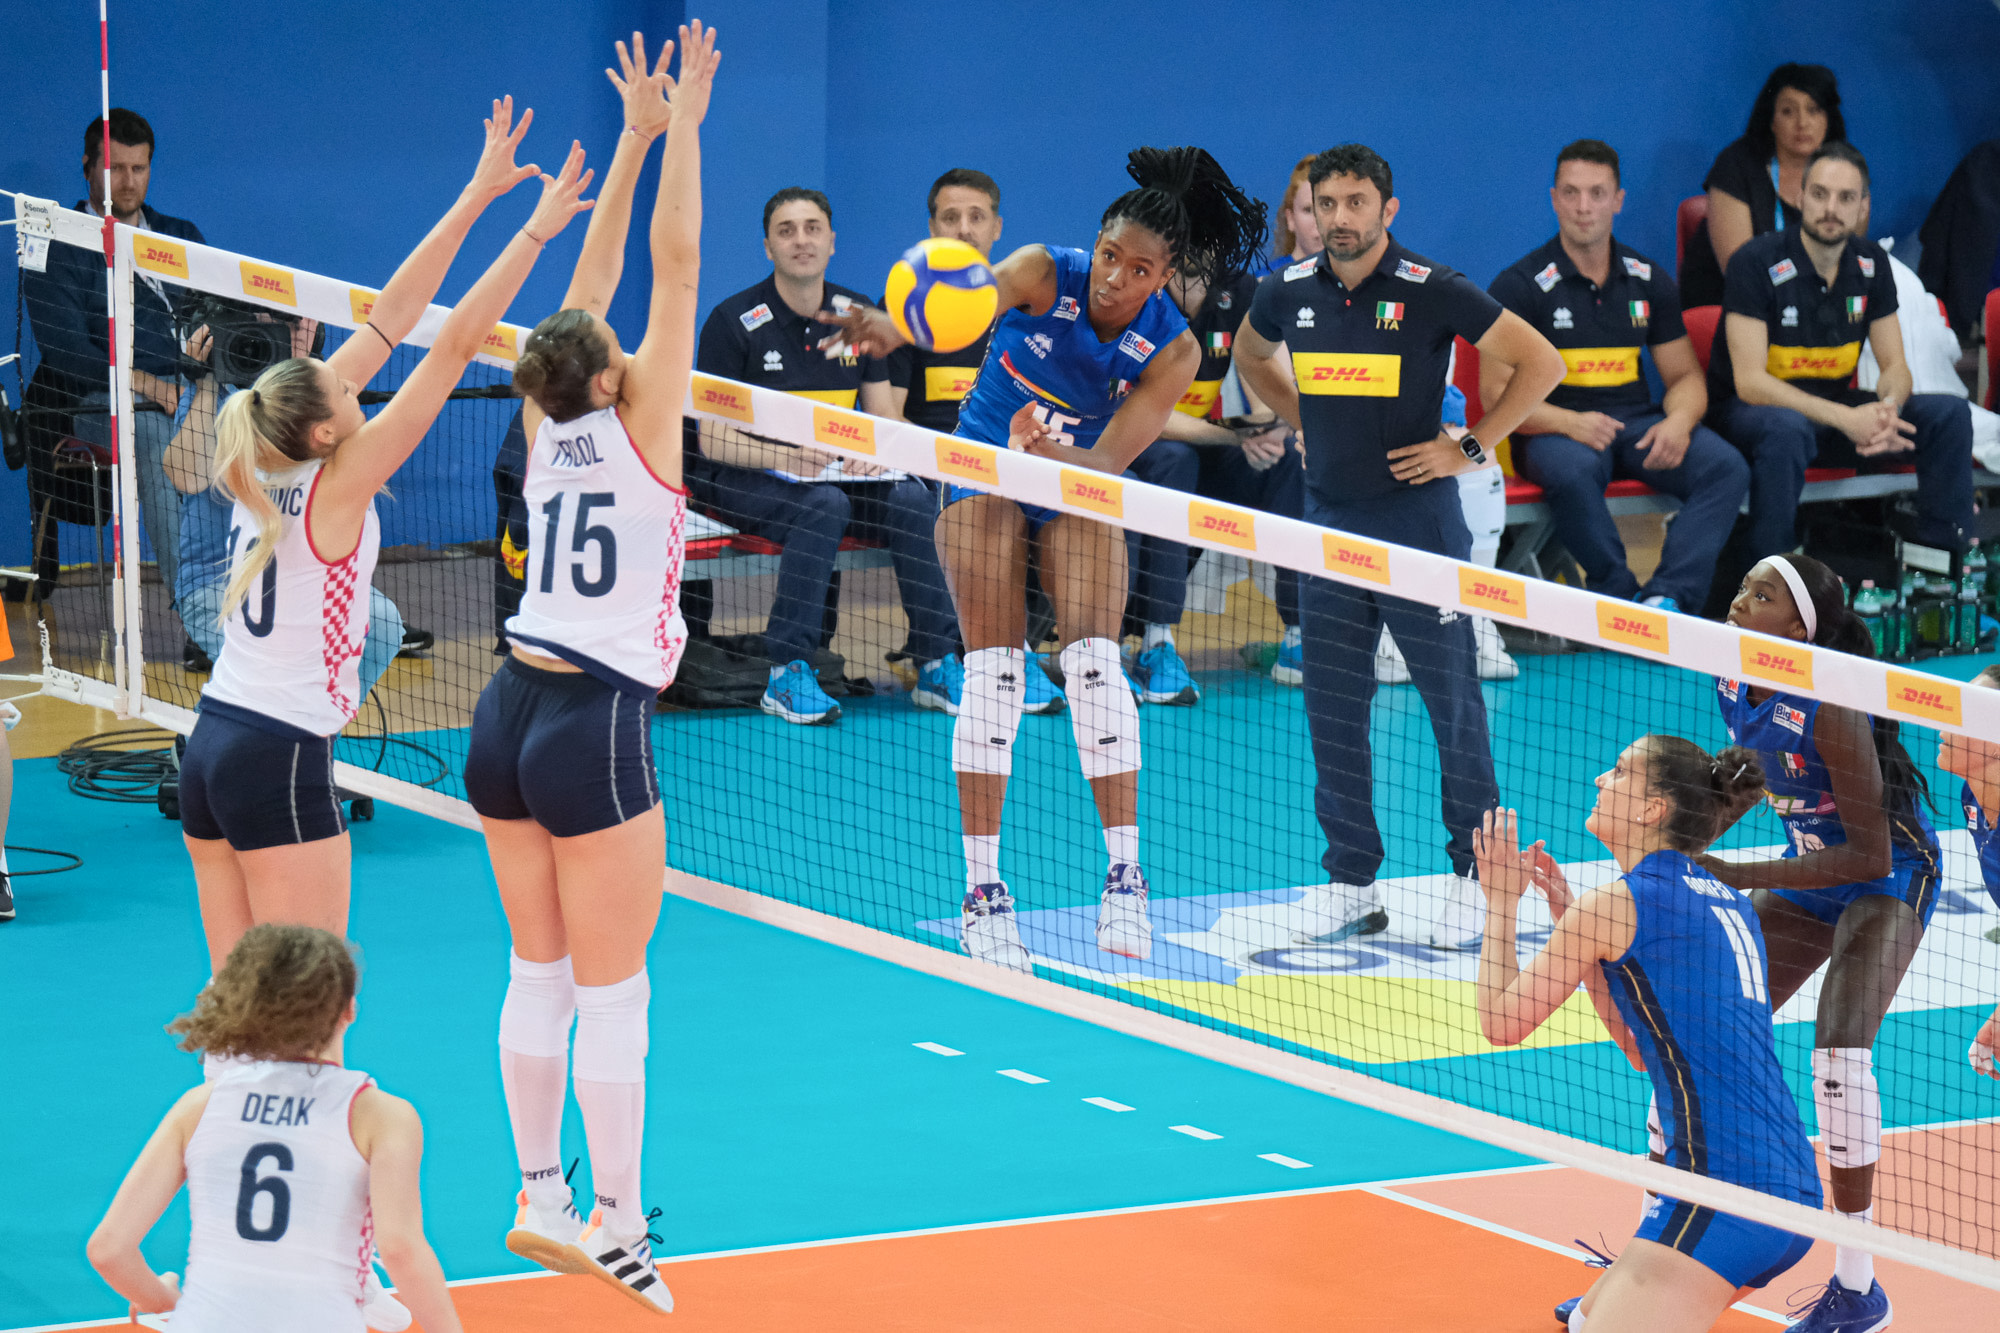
[
  {"x": 1602, "y": 304},
  {"x": 803, "y": 498},
  {"x": 1797, "y": 304}
]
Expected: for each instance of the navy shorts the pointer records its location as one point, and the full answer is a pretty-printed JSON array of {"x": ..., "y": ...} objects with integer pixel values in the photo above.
[
  {"x": 1038, "y": 517},
  {"x": 257, "y": 782},
  {"x": 1914, "y": 880},
  {"x": 1743, "y": 1254},
  {"x": 561, "y": 748}
]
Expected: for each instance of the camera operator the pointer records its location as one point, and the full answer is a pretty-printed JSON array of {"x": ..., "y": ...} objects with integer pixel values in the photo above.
[
  {"x": 243, "y": 343},
  {"x": 66, "y": 306}
]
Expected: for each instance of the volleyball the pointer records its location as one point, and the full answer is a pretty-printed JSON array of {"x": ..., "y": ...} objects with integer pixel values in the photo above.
[{"x": 941, "y": 294}]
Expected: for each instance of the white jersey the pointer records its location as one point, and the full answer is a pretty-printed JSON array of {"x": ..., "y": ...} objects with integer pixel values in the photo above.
[
  {"x": 605, "y": 542},
  {"x": 281, "y": 1232},
  {"x": 292, "y": 650}
]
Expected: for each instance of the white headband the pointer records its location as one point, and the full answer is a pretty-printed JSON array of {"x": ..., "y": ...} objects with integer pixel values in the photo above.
[{"x": 1800, "y": 598}]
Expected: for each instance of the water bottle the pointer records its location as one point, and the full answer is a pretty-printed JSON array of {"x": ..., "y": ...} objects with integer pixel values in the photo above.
[
  {"x": 1872, "y": 605},
  {"x": 1977, "y": 584},
  {"x": 1905, "y": 616}
]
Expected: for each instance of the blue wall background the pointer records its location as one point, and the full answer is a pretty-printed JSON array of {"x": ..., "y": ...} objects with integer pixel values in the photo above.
[{"x": 331, "y": 136}]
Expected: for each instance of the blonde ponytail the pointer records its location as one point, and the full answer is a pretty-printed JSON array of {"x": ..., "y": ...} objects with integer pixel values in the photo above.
[{"x": 266, "y": 428}]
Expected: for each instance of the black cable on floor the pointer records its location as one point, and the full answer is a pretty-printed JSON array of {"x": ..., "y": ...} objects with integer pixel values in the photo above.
[
  {"x": 73, "y": 859},
  {"x": 104, "y": 768}
]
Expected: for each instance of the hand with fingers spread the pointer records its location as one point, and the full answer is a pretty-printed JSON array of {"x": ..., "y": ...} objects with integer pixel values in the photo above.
[
  {"x": 699, "y": 59},
  {"x": 1549, "y": 878},
  {"x": 561, "y": 198},
  {"x": 496, "y": 173},
  {"x": 1505, "y": 869},
  {"x": 863, "y": 331},
  {"x": 1026, "y": 434},
  {"x": 1985, "y": 1050},
  {"x": 644, "y": 95}
]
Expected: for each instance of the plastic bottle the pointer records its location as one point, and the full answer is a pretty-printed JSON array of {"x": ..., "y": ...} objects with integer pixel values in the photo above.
[
  {"x": 1873, "y": 605},
  {"x": 1905, "y": 616},
  {"x": 1973, "y": 596}
]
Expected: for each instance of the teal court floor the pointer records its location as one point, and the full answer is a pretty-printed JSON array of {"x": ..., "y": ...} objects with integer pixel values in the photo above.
[{"x": 789, "y": 1098}]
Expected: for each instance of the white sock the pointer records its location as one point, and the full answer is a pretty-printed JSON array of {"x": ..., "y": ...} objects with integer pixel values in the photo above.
[
  {"x": 982, "y": 859},
  {"x": 1121, "y": 844},
  {"x": 3, "y": 860},
  {"x": 1855, "y": 1268},
  {"x": 536, "y": 1087},
  {"x": 610, "y": 1081},
  {"x": 1156, "y": 635},
  {"x": 1576, "y": 1320},
  {"x": 1293, "y": 635},
  {"x": 614, "y": 1120}
]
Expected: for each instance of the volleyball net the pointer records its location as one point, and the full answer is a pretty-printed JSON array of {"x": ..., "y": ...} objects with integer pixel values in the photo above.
[{"x": 850, "y": 830}]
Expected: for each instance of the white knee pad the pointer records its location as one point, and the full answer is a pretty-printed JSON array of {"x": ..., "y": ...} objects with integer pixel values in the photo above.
[
  {"x": 1102, "y": 712},
  {"x": 989, "y": 711},
  {"x": 1850, "y": 1107},
  {"x": 611, "y": 1035},
  {"x": 541, "y": 1000},
  {"x": 1576, "y": 1319},
  {"x": 1656, "y": 1137}
]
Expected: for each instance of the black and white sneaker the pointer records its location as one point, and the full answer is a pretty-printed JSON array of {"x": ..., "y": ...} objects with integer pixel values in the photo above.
[
  {"x": 6, "y": 898},
  {"x": 416, "y": 642},
  {"x": 625, "y": 1262}
]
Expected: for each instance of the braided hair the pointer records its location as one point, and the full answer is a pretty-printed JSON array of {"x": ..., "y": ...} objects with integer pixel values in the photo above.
[
  {"x": 1903, "y": 783},
  {"x": 1212, "y": 229}
]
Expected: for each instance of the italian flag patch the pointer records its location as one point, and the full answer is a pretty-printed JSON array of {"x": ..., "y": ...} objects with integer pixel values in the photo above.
[
  {"x": 1388, "y": 310},
  {"x": 1218, "y": 341},
  {"x": 1856, "y": 306},
  {"x": 1641, "y": 309}
]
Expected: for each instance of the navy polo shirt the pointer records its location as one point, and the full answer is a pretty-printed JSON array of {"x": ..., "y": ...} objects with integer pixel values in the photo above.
[
  {"x": 1214, "y": 328},
  {"x": 1600, "y": 331},
  {"x": 1371, "y": 363},
  {"x": 1816, "y": 330},
  {"x": 937, "y": 381},
  {"x": 754, "y": 337}
]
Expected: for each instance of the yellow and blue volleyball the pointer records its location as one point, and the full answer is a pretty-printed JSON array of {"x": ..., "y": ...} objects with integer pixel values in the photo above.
[{"x": 941, "y": 295}]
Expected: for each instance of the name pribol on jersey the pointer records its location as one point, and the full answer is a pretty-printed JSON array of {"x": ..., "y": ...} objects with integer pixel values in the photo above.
[{"x": 579, "y": 451}]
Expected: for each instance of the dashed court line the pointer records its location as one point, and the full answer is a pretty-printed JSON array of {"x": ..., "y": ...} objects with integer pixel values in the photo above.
[{"x": 1106, "y": 1103}]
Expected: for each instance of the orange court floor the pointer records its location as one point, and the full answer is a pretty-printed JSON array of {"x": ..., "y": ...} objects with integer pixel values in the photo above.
[{"x": 1488, "y": 1252}]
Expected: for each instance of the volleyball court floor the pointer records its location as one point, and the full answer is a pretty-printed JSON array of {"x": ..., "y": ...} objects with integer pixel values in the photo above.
[{"x": 839, "y": 1143}]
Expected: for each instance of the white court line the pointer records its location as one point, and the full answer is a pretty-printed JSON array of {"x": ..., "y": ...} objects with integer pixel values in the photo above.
[
  {"x": 1566, "y": 1251},
  {"x": 1019, "y": 1076},
  {"x": 1108, "y": 1104},
  {"x": 1194, "y": 1133},
  {"x": 1442, "y": 1177},
  {"x": 934, "y": 1048},
  {"x": 1282, "y": 1160}
]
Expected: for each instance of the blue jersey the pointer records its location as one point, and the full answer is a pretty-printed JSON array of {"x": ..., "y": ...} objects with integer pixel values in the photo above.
[
  {"x": 1796, "y": 782},
  {"x": 1694, "y": 990},
  {"x": 1984, "y": 842},
  {"x": 1056, "y": 361}
]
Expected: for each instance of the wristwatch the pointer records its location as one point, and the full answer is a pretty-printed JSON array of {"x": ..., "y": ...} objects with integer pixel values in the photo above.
[{"x": 1469, "y": 445}]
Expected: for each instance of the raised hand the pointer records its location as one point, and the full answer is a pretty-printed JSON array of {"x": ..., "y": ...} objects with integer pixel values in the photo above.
[
  {"x": 561, "y": 197},
  {"x": 496, "y": 173},
  {"x": 644, "y": 95},
  {"x": 1549, "y": 878},
  {"x": 699, "y": 59},
  {"x": 864, "y": 331},
  {"x": 1496, "y": 845}
]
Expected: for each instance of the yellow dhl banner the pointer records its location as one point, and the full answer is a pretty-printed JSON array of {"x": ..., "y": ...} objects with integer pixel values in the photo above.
[
  {"x": 1600, "y": 367},
  {"x": 1200, "y": 398},
  {"x": 1349, "y": 374},
  {"x": 948, "y": 384},
  {"x": 1813, "y": 363},
  {"x": 831, "y": 397}
]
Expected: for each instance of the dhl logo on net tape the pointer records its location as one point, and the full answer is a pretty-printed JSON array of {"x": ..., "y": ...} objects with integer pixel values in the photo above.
[
  {"x": 1222, "y": 523},
  {"x": 722, "y": 399},
  {"x": 1926, "y": 698},
  {"x": 843, "y": 430},
  {"x": 1093, "y": 491},
  {"x": 160, "y": 256},
  {"x": 269, "y": 284},
  {"x": 968, "y": 461}
]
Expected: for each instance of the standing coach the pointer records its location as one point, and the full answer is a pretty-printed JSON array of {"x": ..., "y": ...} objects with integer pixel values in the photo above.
[{"x": 1369, "y": 326}]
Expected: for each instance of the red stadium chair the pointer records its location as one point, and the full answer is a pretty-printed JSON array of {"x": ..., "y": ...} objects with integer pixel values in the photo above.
[
  {"x": 1701, "y": 323},
  {"x": 1465, "y": 374},
  {"x": 1689, "y": 218},
  {"x": 1993, "y": 348}
]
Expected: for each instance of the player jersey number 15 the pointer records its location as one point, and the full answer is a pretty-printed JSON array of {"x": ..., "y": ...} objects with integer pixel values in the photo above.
[
  {"x": 1058, "y": 425},
  {"x": 583, "y": 536}
]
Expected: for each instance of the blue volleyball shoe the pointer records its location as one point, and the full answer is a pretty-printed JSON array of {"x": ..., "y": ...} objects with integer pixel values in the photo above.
[
  {"x": 1290, "y": 666},
  {"x": 1040, "y": 694},
  {"x": 1167, "y": 679},
  {"x": 794, "y": 695},
  {"x": 1562, "y": 1311},
  {"x": 940, "y": 685},
  {"x": 1840, "y": 1310}
]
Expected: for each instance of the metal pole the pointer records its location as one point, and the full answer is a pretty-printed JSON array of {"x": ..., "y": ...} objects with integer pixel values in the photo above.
[{"x": 117, "y": 419}]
